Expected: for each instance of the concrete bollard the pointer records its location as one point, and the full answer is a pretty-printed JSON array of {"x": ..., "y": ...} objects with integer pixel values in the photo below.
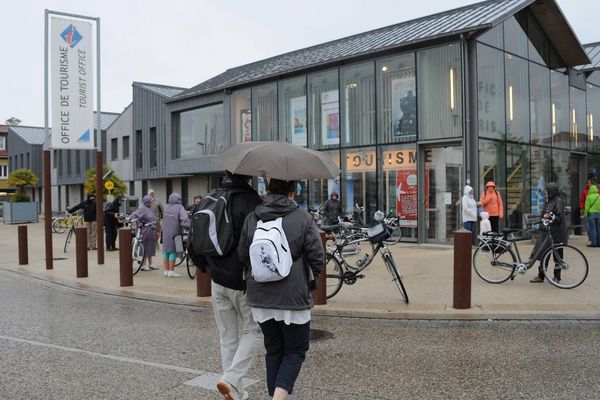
[
  {"x": 203, "y": 284},
  {"x": 81, "y": 252},
  {"x": 125, "y": 258},
  {"x": 463, "y": 240},
  {"x": 320, "y": 293},
  {"x": 23, "y": 247}
]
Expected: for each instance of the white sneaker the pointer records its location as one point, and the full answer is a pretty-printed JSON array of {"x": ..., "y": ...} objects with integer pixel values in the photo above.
[
  {"x": 173, "y": 274},
  {"x": 153, "y": 267},
  {"x": 166, "y": 273},
  {"x": 146, "y": 268}
]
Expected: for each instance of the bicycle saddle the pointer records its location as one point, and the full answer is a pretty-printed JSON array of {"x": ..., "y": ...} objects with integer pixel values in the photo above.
[
  {"x": 330, "y": 228},
  {"x": 492, "y": 234},
  {"x": 507, "y": 231}
]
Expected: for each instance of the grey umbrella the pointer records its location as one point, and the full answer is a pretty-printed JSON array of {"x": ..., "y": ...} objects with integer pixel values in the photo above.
[{"x": 277, "y": 160}]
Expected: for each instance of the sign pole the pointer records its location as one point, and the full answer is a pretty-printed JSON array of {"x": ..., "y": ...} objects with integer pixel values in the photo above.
[
  {"x": 47, "y": 175},
  {"x": 99, "y": 170}
]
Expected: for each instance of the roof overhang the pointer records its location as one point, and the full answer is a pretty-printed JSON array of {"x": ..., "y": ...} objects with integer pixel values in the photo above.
[{"x": 560, "y": 33}]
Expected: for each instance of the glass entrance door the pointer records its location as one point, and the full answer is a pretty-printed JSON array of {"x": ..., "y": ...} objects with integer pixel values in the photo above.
[{"x": 441, "y": 193}]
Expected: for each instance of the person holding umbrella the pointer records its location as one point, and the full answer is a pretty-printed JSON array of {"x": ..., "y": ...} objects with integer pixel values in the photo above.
[{"x": 282, "y": 308}]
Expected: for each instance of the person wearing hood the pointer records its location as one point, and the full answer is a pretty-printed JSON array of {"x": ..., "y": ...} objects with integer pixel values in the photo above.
[
  {"x": 111, "y": 221},
  {"x": 239, "y": 336},
  {"x": 592, "y": 212},
  {"x": 558, "y": 228},
  {"x": 584, "y": 193},
  {"x": 89, "y": 217},
  {"x": 469, "y": 209},
  {"x": 147, "y": 220},
  {"x": 491, "y": 202},
  {"x": 332, "y": 210},
  {"x": 282, "y": 307},
  {"x": 175, "y": 220}
]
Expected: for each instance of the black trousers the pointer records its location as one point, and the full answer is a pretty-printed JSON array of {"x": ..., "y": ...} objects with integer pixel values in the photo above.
[
  {"x": 539, "y": 245},
  {"x": 286, "y": 347},
  {"x": 111, "y": 235},
  {"x": 495, "y": 222}
]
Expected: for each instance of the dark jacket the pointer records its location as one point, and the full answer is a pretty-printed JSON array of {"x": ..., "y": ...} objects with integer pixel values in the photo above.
[
  {"x": 293, "y": 292},
  {"x": 89, "y": 209},
  {"x": 555, "y": 204},
  {"x": 111, "y": 210},
  {"x": 332, "y": 209},
  {"x": 228, "y": 270}
]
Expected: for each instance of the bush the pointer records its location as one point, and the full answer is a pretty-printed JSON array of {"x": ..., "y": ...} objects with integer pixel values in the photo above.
[{"x": 21, "y": 197}]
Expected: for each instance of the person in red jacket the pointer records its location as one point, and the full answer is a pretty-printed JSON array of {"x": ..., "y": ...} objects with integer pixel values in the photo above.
[
  {"x": 491, "y": 201},
  {"x": 584, "y": 194}
]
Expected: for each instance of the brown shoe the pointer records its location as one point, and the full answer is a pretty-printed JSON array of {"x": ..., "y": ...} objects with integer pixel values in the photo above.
[
  {"x": 227, "y": 391},
  {"x": 537, "y": 279}
]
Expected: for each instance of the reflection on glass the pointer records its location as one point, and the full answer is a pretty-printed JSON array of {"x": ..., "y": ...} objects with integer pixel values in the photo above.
[
  {"x": 241, "y": 115},
  {"x": 541, "y": 128},
  {"x": 517, "y": 179},
  {"x": 264, "y": 115},
  {"x": 578, "y": 122},
  {"x": 321, "y": 189},
  {"x": 324, "y": 110},
  {"x": 358, "y": 104},
  {"x": 490, "y": 92},
  {"x": 201, "y": 131},
  {"x": 559, "y": 94},
  {"x": 292, "y": 111},
  {"x": 360, "y": 184},
  {"x": 517, "y": 99}
]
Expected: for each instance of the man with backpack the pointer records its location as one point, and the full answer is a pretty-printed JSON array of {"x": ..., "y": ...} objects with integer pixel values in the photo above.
[{"x": 215, "y": 232}]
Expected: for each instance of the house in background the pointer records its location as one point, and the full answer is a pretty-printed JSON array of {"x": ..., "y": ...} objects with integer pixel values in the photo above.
[{"x": 4, "y": 170}]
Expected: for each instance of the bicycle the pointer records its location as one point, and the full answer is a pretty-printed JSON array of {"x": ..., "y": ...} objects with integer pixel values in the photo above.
[
  {"x": 75, "y": 222},
  {"x": 137, "y": 246},
  {"x": 64, "y": 222},
  {"x": 339, "y": 271},
  {"x": 495, "y": 261},
  {"x": 183, "y": 256}
]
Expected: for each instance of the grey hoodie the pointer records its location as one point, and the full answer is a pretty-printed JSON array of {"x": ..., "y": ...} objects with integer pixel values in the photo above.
[{"x": 292, "y": 292}]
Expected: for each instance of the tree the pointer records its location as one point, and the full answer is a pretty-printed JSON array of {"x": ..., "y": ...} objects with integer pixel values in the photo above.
[
  {"x": 90, "y": 182},
  {"x": 13, "y": 121},
  {"x": 22, "y": 179}
]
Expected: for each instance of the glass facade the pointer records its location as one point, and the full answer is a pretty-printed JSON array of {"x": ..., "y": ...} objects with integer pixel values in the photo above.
[
  {"x": 241, "y": 115},
  {"x": 358, "y": 104},
  {"x": 264, "y": 111},
  {"x": 292, "y": 111},
  {"x": 201, "y": 132},
  {"x": 324, "y": 110}
]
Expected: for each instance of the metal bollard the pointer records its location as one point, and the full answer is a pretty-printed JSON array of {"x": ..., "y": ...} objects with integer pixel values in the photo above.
[
  {"x": 463, "y": 240},
  {"x": 23, "y": 247},
  {"x": 125, "y": 258},
  {"x": 81, "y": 255},
  {"x": 203, "y": 284},
  {"x": 320, "y": 293}
]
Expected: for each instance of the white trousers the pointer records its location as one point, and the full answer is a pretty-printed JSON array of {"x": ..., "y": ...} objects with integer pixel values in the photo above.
[{"x": 238, "y": 346}]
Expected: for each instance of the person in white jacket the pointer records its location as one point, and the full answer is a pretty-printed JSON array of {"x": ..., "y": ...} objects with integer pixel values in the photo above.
[{"x": 469, "y": 209}]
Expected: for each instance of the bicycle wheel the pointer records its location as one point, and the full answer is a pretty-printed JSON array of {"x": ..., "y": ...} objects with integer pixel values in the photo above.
[
  {"x": 570, "y": 266},
  {"x": 59, "y": 225},
  {"x": 358, "y": 251},
  {"x": 180, "y": 259},
  {"x": 396, "y": 235},
  {"x": 68, "y": 239},
  {"x": 137, "y": 255},
  {"x": 391, "y": 267},
  {"x": 191, "y": 268},
  {"x": 493, "y": 262},
  {"x": 334, "y": 277}
]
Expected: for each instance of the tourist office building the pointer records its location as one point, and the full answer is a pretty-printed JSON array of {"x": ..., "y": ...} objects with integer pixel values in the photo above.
[{"x": 497, "y": 91}]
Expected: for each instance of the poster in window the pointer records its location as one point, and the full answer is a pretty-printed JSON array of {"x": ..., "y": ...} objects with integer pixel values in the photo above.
[
  {"x": 246, "y": 119},
  {"x": 406, "y": 197},
  {"x": 330, "y": 114},
  {"x": 298, "y": 116},
  {"x": 404, "y": 107}
]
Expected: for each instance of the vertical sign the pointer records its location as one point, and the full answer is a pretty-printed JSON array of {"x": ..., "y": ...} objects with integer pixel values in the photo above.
[{"x": 71, "y": 65}]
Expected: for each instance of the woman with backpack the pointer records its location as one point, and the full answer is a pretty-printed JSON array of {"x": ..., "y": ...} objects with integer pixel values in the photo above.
[
  {"x": 282, "y": 307},
  {"x": 491, "y": 202},
  {"x": 175, "y": 220}
]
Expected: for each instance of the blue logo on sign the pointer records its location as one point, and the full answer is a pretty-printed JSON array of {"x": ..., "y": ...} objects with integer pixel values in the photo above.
[
  {"x": 85, "y": 137},
  {"x": 71, "y": 36}
]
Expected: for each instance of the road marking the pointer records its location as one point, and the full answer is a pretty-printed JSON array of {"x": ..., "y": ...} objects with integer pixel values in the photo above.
[
  {"x": 204, "y": 379},
  {"x": 107, "y": 356}
]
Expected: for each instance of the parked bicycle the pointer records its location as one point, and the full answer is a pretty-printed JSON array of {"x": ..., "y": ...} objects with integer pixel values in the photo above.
[
  {"x": 137, "y": 246},
  {"x": 75, "y": 221},
  {"x": 61, "y": 223},
  {"x": 393, "y": 222},
  {"x": 497, "y": 259},
  {"x": 340, "y": 271}
]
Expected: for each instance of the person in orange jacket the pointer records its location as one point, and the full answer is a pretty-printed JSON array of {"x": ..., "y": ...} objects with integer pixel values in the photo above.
[{"x": 491, "y": 201}]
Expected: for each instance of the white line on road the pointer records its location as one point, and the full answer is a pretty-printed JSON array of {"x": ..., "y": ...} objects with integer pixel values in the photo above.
[{"x": 107, "y": 356}]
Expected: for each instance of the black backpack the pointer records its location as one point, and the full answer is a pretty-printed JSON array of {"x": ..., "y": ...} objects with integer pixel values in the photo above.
[{"x": 211, "y": 230}]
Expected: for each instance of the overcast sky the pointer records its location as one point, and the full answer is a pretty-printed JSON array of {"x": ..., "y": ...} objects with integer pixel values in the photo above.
[{"x": 185, "y": 42}]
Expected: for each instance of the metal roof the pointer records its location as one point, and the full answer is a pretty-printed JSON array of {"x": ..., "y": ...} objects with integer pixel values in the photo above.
[
  {"x": 106, "y": 119},
  {"x": 30, "y": 134},
  {"x": 593, "y": 51},
  {"x": 161, "y": 90},
  {"x": 465, "y": 19}
]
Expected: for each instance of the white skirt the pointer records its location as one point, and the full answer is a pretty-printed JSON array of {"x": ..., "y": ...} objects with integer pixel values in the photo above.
[{"x": 298, "y": 317}]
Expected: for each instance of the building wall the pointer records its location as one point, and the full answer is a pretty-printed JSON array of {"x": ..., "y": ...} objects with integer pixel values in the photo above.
[{"x": 122, "y": 127}]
